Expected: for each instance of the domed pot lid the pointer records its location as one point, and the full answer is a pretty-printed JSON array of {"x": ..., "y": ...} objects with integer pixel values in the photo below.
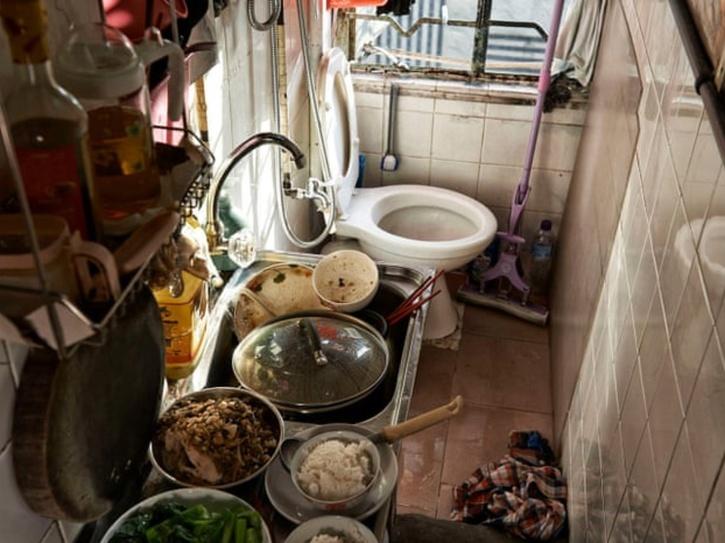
[{"x": 312, "y": 360}]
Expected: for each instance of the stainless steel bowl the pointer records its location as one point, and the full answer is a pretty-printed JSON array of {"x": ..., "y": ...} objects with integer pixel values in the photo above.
[
  {"x": 349, "y": 502},
  {"x": 224, "y": 392}
]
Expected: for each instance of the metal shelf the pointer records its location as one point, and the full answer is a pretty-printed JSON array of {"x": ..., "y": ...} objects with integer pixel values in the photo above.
[{"x": 66, "y": 327}]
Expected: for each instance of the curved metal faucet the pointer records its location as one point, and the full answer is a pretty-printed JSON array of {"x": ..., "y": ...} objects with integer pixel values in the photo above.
[{"x": 213, "y": 225}]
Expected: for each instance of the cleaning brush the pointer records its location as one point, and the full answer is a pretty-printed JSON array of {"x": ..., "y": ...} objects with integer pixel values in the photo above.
[{"x": 389, "y": 162}]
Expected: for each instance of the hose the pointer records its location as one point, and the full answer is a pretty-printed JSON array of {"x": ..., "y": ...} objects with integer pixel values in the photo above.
[
  {"x": 312, "y": 92},
  {"x": 275, "y": 8},
  {"x": 312, "y": 95}
]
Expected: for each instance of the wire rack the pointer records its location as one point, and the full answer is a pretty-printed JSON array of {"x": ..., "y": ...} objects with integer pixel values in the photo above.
[{"x": 187, "y": 196}]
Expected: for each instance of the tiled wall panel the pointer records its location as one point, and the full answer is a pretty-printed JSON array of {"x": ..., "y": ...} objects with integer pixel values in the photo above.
[
  {"x": 651, "y": 311},
  {"x": 472, "y": 147}
]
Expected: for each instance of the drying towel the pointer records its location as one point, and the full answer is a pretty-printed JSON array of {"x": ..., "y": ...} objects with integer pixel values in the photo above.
[{"x": 527, "y": 500}]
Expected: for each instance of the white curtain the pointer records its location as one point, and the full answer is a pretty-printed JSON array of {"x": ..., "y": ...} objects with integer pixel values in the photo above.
[{"x": 576, "y": 50}]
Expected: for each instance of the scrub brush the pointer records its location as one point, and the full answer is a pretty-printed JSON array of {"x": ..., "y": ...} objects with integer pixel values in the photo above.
[{"x": 389, "y": 162}]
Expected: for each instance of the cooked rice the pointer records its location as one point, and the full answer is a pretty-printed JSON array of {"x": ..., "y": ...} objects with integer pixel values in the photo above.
[
  {"x": 324, "y": 538},
  {"x": 335, "y": 470}
]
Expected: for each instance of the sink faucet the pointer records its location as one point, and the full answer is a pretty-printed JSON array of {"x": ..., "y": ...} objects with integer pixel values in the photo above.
[{"x": 213, "y": 225}]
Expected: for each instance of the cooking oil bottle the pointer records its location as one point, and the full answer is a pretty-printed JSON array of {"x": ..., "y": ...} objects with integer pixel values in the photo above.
[
  {"x": 48, "y": 125},
  {"x": 184, "y": 316},
  {"x": 183, "y": 300}
]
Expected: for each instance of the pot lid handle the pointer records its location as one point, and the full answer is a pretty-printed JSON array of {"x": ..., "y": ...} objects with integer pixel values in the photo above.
[{"x": 313, "y": 339}]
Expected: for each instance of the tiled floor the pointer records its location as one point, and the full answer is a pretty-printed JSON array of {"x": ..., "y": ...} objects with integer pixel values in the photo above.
[{"x": 502, "y": 372}]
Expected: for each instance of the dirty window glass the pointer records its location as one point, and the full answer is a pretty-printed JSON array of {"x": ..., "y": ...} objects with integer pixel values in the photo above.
[{"x": 462, "y": 36}]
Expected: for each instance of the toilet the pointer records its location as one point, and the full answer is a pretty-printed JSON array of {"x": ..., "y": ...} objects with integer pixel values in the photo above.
[{"x": 415, "y": 225}]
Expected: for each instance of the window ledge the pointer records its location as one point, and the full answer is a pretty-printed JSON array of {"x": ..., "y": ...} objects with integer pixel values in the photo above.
[{"x": 504, "y": 91}]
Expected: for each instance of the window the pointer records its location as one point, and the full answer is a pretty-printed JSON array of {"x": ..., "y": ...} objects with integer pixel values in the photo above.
[{"x": 469, "y": 37}]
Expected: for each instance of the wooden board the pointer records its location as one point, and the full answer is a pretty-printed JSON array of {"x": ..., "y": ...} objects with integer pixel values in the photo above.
[{"x": 82, "y": 426}]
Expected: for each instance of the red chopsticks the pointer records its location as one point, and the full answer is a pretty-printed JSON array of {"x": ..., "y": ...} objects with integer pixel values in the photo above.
[{"x": 412, "y": 303}]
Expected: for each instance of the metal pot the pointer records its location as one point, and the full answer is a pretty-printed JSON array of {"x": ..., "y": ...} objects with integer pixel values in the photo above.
[
  {"x": 224, "y": 392},
  {"x": 312, "y": 362}
]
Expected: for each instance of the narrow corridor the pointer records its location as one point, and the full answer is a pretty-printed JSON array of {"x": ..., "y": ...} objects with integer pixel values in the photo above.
[{"x": 502, "y": 371}]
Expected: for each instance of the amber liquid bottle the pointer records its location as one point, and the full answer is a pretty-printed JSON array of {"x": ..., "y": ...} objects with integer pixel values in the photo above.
[{"x": 48, "y": 126}]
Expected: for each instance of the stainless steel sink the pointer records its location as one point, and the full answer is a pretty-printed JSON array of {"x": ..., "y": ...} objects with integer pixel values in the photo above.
[{"x": 387, "y": 405}]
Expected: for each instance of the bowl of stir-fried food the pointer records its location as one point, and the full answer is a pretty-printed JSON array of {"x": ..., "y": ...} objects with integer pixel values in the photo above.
[
  {"x": 217, "y": 438},
  {"x": 190, "y": 515}
]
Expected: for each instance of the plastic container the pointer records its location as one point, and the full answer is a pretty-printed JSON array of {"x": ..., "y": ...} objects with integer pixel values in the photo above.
[
  {"x": 184, "y": 320},
  {"x": 541, "y": 254}
]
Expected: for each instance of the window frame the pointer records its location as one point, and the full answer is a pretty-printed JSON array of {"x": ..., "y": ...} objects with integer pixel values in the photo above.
[{"x": 482, "y": 25}]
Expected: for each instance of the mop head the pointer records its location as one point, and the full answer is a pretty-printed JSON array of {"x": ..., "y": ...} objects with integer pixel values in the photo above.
[{"x": 537, "y": 314}]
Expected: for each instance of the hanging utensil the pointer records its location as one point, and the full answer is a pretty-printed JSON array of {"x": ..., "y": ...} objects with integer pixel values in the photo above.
[
  {"x": 389, "y": 162},
  {"x": 82, "y": 425}
]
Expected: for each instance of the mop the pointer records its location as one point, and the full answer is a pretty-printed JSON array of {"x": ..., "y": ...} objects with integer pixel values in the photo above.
[{"x": 506, "y": 271}]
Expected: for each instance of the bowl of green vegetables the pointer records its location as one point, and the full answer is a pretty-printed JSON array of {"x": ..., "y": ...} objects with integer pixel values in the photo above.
[{"x": 190, "y": 515}]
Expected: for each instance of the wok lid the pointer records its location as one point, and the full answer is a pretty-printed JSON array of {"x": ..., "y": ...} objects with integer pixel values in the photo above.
[{"x": 312, "y": 360}]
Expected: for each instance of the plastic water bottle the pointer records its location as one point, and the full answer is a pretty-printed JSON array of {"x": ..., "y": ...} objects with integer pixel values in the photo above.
[{"x": 541, "y": 254}]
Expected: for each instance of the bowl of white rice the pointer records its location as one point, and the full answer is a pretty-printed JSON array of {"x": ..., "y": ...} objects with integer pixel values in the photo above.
[
  {"x": 335, "y": 470},
  {"x": 331, "y": 529}
]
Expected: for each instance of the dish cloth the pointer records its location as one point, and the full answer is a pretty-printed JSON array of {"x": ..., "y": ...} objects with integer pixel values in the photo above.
[{"x": 522, "y": 496}]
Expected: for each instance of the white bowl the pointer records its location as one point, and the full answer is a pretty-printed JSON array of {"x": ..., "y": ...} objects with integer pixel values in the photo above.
[
  {"x": 340, "y": 525},
  {"x": 346, "y": 280},
  {"x": 343, "y": 504},
  {"x": 211, "y": 498}
]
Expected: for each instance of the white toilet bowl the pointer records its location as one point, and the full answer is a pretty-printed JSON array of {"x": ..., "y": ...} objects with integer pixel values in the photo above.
[
  {"x": 424, "y": 226},
  {"x": 417, "y": 225}
]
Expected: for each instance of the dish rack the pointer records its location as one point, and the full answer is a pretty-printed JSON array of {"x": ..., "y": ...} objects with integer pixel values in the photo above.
[{"x": 187, "y": 192}]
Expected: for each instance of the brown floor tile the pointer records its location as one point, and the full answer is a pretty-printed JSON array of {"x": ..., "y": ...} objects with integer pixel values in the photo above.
[
  {"x": 503, "y": 373},
  {"x": 421, "y": 463},
  {"x": 445, "y": 502},
  {"x": 434, "y": 380},
  {"x": 492, "y": 323},
  {"x": 480, "y": 434}
]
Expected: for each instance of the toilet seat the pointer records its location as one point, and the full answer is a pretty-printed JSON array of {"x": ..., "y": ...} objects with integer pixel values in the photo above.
[
  {"x": 339, "y": 119},
  {"x": 369, "y": 208}
]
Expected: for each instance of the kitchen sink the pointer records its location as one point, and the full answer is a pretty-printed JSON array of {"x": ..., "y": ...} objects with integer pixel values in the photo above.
[{"x": 388, "y": 404}]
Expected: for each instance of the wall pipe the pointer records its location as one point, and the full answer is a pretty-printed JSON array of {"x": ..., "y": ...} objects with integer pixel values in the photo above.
[{"x": 703, "y": 70}]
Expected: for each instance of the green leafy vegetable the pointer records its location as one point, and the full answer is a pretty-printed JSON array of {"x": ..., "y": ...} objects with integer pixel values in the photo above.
[{"x": 173, "y": 523}]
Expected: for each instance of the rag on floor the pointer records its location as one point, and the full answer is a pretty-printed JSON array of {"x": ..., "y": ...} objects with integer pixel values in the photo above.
[{"x": 524, "y": 493}]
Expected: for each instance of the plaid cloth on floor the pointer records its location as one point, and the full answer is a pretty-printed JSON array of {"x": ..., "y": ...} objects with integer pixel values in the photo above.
[{"x": 528, "y": 501}]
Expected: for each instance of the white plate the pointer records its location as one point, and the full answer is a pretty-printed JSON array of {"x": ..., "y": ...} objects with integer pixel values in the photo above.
[
  {"x": 283, "y": 288},
  {"x": 352, "y": 528},
  {"x": 293, "y": 506},
  {"x": 187, "y": 496}
]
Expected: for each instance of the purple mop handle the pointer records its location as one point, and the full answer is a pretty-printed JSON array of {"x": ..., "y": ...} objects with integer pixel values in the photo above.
[{"x": 521, "y": 194}]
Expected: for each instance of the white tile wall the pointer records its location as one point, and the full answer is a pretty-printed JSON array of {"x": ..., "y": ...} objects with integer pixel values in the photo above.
[
  {"x": 458, "y": 176},
  {"x": 672, "y": 400},
  {"x": 472, "y": 146},
  {"x": 456, "y": 137}
]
